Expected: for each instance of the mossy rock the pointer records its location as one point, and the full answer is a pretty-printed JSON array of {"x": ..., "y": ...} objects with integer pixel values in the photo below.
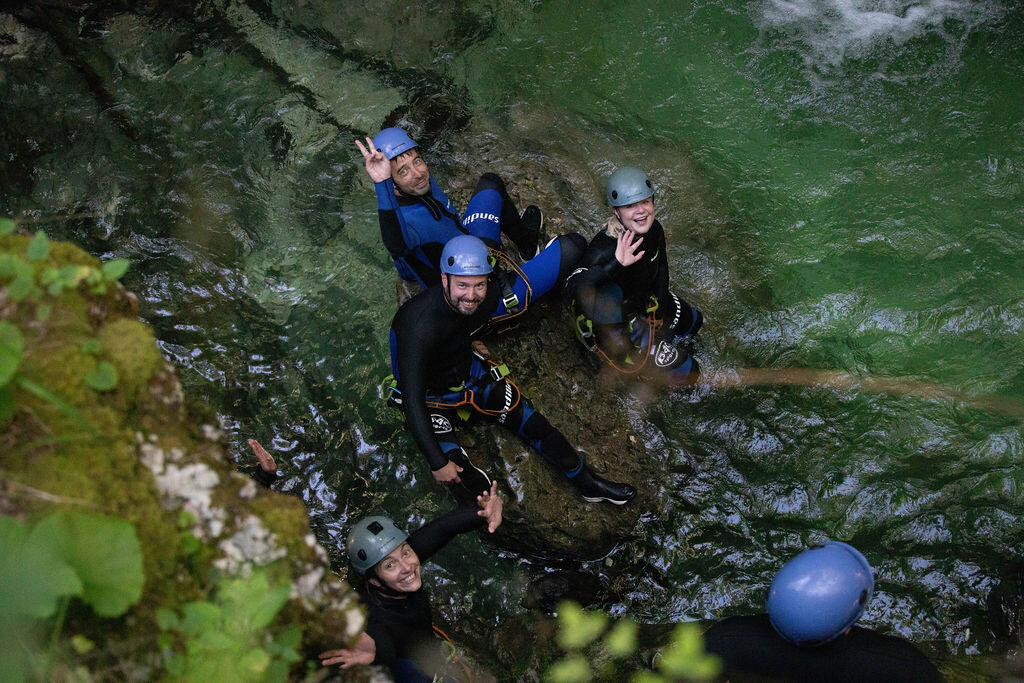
[{"x": 135, "y": 451}]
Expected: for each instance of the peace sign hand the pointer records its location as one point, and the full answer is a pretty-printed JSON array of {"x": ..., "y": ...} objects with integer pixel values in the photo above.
[{"x": 377, "y": 165}]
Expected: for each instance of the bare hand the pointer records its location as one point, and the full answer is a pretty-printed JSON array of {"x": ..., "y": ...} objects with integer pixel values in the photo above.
[
  {"x": 626, "y": 247},
  {"x": 491, "y": 503},
  {"x": 377, "y": 165},
  {"x": 480, "y": 349},
  {"x": 449, "y": 474},
  {"x": 267, "y": 463},
  {"x": 363, "y": 653}
]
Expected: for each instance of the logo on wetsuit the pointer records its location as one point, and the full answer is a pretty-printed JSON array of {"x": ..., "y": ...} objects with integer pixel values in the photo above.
[
  {"x": 508, "y": 403},
  {"x": 665, "y": 355},
  {"x": 440, "y": 424},
  {"x": 481, "y": 217}
]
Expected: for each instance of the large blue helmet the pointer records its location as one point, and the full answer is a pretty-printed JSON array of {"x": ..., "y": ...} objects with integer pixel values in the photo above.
[
  {"x": 627, "y": 186},
  {"x": 371, "y": 540},
  {"x": 393, "y": 141},
  {"x": 820, "y": 593},
  {"x": 465, "y": 255}
]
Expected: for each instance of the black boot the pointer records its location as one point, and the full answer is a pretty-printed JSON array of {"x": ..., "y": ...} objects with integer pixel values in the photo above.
[
  {"x": 530, "y": 224},
  {"x": 595, "y": 488},
  {"x": 474, "y": 479}
]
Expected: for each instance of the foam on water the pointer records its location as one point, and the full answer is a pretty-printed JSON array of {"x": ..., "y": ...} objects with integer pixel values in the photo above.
[{"x": 834, "y": 30}]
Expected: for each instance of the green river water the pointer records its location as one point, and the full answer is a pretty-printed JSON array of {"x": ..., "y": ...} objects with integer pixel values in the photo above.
[{"x": 842, "y": 183}]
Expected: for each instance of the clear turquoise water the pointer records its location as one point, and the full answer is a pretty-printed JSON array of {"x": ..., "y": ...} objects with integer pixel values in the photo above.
[{"x": 841, "y": 182}]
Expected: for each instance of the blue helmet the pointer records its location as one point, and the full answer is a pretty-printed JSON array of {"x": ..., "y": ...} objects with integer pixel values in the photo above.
[
  {"x": 820, "y": 593},
  {"x": 465, "y": 255},
  {"x": 393, "y": 141},
  {"x": 370, "y": 541},
  {"x": 627, "y": 186}
]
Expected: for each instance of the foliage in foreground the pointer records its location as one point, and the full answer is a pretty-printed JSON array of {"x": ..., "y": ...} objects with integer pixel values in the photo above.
[{"x": 585, "y": 634}]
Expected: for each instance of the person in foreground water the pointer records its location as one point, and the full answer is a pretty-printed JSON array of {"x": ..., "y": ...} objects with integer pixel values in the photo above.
[
  {"x": 400, "y": 633},
  {"x": 808, "y": 633}
]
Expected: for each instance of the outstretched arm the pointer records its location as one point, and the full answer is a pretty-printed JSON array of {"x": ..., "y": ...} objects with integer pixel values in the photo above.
[
  {"x": 267, "y": 473},
  {"x": 363, "y": 652}
]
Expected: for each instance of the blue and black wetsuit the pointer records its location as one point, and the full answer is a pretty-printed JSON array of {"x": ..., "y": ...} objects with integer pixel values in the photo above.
[
  {"x": 615, "y": 301},
  {"x": 415, "y": 230},
  {"x": 433, "y": 362},
  {"x": 402, "y": 627},
  {"x": 751, "y": 650}
]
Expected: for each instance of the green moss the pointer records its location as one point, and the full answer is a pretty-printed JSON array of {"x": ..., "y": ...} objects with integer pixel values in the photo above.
[{"x": 46, "y": 449}]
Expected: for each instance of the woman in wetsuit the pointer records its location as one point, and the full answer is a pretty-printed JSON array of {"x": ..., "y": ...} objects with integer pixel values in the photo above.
[
  {"x": 622, "y": 306},
  {"x": 399, "y": 632}
]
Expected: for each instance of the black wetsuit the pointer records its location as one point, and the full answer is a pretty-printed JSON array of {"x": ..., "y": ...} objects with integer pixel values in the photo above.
[
  {"x": 751, "y": 650},
  {"x": 613, "y": 296},
  {"x": 636, "y": 283},
  {"x": 432, "y": 359},
  {"x": 402, "y": 627}
]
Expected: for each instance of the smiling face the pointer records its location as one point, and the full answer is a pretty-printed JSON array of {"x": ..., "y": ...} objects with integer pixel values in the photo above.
[
  {"x": 410, "y": 173},
  {"x": 637, "y": 217},
  {"x": 464, "y": 293},
  {"x": 399, "y": 570}
]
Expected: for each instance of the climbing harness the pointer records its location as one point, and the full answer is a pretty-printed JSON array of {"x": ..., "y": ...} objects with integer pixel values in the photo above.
[
  {"x": 454, "y": 656},
  {"x": 513, "y": 306},
  {"x": 585, "y": 333},
  {"x": 463, "y": 396}
]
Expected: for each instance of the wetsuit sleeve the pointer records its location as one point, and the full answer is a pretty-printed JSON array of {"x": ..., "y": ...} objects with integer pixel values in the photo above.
[
  {"x": 412, "y": 348},
  {"x": 436, "y": 534},
  {"x": 666, "y": 302},
  {"x": 597, "y": 266},
  {"x": 385, "y": 654}
]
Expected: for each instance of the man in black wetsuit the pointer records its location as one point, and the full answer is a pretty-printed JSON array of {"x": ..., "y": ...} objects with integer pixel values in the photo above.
[
  {"x": 622, "y": 306},
  {"x": 808, "y": 633},
  {"x": 399, "y": 632},
  {"x": 437, "y": 374}
]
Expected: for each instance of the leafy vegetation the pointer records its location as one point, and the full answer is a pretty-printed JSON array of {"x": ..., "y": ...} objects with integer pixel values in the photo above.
[
  {"x": 583, "y": 634},
  {"x": 66, "y": 555},
  {"x": 227, "y": 639}
]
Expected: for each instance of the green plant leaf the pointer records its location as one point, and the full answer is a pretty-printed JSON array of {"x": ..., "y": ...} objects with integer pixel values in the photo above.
[
  {"x": 91, "y": 346},
  {"x": 8, "y": 264},
  {"x": 43, "y": 312},
  {"x": 81, "y": 644},
  {"x": 684, "y": 656},
  {"x": 7, "y": 226},
  {"x": 105, "y": 554},
  {"x": 55, "y": 288},
  {"x": 32, "y": 575},
  {"x": 74, "y": 275},
  {"x": 38, "y": 247},
  {"x": 199, "y": 616},
  {"x": 21, "y": 287},
  {"x": 621, "y": 640},
  {"x": 167, "y": 619},
  {"x": 578, "y": 628},
  {"x": 574, "y": 669},
  {"x": 251, "y": 604},
  {"x": 103, "y": 378},
  {"x": 113, "y": 270},
  {"x": 255, "y": 661},
  {"x": 12, "y": 347}
]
